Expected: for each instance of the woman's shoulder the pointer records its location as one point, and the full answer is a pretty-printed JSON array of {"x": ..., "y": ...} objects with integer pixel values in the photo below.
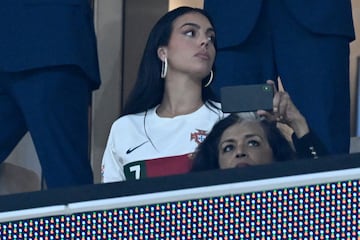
[
  {"x": 128, "y": 120},
  {"x": 213, "y": 105}
]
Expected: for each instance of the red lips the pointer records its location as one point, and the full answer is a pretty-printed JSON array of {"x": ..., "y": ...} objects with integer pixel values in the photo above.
[{"x": 242, "y": 164}]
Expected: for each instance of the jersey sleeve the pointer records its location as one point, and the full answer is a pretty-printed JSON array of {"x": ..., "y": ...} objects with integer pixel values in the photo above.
[{"x": 112, "y": 169}]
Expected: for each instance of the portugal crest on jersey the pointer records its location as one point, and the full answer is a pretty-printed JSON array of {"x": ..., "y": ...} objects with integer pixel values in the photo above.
[{"x": 198, "y": 136}]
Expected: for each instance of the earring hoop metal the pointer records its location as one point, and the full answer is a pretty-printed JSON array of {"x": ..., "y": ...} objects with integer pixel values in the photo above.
[
  {"x": 210, "y": 79},
  {"x": 164, "y": 67}
]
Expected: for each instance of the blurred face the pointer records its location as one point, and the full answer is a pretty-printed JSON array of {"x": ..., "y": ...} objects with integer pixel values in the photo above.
[
  {"x": 244, "y": 144},
  {"x": 191, "y": 46}
]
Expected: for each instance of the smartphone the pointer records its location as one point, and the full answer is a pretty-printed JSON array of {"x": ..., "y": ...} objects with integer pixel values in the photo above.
[{"x": 247, "y": 98}]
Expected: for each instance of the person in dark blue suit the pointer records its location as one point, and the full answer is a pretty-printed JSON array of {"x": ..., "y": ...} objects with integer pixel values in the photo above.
[
  {"x": 305, "y": 43},
  {"x": 48, "y": 68}
]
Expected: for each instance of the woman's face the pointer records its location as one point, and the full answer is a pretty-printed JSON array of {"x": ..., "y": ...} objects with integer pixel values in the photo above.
[
  {"x": 191, "y": 46},
  {"x": 244, "y": 144}
]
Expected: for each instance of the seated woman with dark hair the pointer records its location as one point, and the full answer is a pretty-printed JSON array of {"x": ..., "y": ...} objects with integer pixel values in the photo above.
[{"x": 248, "y": 139}]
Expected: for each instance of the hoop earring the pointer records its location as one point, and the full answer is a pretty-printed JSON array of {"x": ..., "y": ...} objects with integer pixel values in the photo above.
[
  {"x": 210, "y": 80},
  {"x": 164, "y": 67}
]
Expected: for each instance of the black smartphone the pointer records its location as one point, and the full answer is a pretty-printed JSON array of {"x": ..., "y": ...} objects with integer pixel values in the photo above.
[{"x": 247, "y": 98}]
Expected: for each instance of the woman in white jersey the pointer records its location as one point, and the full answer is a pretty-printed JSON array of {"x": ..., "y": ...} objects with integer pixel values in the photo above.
[{"x": 171, "y": 107}]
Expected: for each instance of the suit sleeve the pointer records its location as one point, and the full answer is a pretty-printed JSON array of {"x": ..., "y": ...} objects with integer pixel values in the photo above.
[{"x": 309, "y": 146}]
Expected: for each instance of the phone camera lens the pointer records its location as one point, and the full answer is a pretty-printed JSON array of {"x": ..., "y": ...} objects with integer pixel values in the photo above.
[{"x": 266, "y": 88}]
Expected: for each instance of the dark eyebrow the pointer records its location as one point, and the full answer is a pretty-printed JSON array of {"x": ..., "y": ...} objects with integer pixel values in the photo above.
[
  {"x": 227, "y": 141},
  {"x": 197, "y": 26}
]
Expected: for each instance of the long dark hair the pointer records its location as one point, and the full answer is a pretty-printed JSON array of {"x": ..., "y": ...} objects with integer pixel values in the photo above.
[
  {"x": 206, "y": 155},
  {"x": 149, "y": 87}
]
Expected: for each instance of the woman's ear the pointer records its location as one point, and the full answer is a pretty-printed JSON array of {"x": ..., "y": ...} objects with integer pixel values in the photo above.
[{"x": 162, "y": 53}]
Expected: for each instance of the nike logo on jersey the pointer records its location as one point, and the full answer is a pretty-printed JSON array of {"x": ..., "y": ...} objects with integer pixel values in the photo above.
[{"x": 132, "y": 149}]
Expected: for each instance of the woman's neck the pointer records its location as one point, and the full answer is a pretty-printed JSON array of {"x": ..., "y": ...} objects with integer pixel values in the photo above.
[
  {"x": 173, "y": 110},
  {"x": 180, "y": 100}
]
